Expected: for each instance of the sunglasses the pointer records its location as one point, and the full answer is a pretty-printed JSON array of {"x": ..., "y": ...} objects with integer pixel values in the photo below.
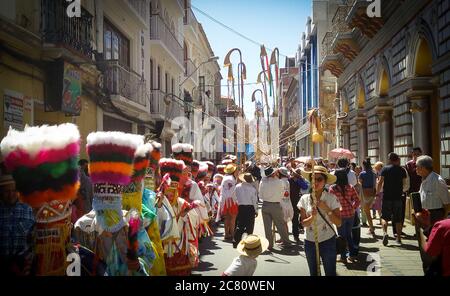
[{"x": 320, "y": 179}]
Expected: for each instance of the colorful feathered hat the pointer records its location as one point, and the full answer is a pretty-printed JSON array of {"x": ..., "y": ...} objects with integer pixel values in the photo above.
[
  {"x": 183, "y": 151},
  {"x": 220, "y": 169},
  {"x": 211, "y": 167},
  {"x": 226, "y": 162},
  {"x": 173, "y": 167},
  {"x": 132, "y": 195},
  {"x": 233, "y": 158},
  {"x": 142, "y": 158},
  {"x": 44, "y": 162},
  {"x": 195, "y": 166},
  {"x": 155, "y": 154},
  {"x": 111, "y": 156}
]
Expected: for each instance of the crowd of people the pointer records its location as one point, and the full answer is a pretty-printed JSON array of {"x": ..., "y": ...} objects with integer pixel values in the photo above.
[{"x": 129, "y": 211}]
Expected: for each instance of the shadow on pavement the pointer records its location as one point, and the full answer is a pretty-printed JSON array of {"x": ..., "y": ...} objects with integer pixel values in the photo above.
[
  {"x": 403, "y": 247},
  {"x": 369, "y": 250},
  {"x": 207, "y": 244},
  {"x": 366, "y": 240},
  {"x": 205, "y": 266},
  {"x": 361, "y": 264}
]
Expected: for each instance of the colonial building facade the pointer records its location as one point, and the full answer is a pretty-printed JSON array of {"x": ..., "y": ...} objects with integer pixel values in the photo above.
[
  {"x": 119, "y": 66},
  {"x": 393, "y": 79},
  {"x": 316, "y": 88}
]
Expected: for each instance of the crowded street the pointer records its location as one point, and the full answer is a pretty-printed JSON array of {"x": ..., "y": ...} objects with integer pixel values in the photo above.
[
  {"x": 202, "y": 139},
  {"x": 405, "y": 261}
]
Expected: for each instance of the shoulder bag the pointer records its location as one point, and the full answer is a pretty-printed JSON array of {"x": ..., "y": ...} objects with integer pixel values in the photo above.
[{"x": 341, "y": 243}]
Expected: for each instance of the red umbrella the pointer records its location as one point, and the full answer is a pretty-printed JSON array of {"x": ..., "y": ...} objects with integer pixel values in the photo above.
[{"x": 341, "y": 152}]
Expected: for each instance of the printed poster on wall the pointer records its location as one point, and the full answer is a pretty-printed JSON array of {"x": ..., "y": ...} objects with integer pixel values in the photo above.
[
  {"x": 71, "y": 102},
  {"x": 13, "y": 109}
]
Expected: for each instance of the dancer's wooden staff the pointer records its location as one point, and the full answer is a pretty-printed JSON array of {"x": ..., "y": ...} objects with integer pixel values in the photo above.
[{"x": 316, "y": 137}]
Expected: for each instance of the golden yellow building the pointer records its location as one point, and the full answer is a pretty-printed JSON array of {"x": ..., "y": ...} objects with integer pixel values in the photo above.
[
  {"x": 110, "y": 68},
  {"x": 91, "y": 70}
]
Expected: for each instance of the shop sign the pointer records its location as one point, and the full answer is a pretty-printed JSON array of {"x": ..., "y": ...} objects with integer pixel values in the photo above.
[
  {"x": 13, "y": 109},
  {"x": 71, "y": 101}
]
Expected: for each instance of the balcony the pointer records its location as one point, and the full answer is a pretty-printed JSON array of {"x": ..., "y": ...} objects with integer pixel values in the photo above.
[
  {"x": 140, "y": 8},
  {"x": 343, "y": 41},
  {"x": 161, "y": 32},
  {"x": 125, "y": 86},
  {"x": 189, "y": 69},
  {"x": 73, "y": 34},
  {"x": 357, "y": 18},
  {"x": 330, "y": 60}
]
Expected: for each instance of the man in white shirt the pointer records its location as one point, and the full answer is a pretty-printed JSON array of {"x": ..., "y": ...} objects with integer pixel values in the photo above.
[
  {"x": 271, "y": 191},
  {"x": 433, "y": 191},
  {"x": 247, "y": 200}
]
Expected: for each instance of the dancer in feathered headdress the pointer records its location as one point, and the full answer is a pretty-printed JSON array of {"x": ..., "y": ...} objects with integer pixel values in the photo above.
[
  {"x": 43, "y": 161},
  {"x": 211, "y": 170},
  {"x": 111, "y": 156},
  {"x": 149, "y": 212},
  {"x": 177, "y": 250},
  {"x": 195, "y": 168},
  {"x": 202, "y": 172},
  {"x": 152, "y": 175},
  {"x": 189, "y": 190},
  {"x": 132, "y": 202},
  {"x": 220, "y": 169}
]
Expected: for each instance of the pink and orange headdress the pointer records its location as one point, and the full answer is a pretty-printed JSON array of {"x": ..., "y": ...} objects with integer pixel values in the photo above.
[{"x": 44, "y": 162}]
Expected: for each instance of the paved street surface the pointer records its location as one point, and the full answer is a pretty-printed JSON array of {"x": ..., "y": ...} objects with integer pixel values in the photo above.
[{"x": 216, "y": 255}]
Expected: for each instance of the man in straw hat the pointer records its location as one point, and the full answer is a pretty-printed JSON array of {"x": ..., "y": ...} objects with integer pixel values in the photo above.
[
  {"x": 271, "y": 190},
  {"x": 228, "y": 207},
  {"x": 245, "y": 264},
  {"x": 16, "y": 228},
  {"x": 247, "y": 199}
]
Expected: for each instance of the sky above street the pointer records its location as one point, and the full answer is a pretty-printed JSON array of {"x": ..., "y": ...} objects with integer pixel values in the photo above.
[{"x": 274, "y": 23}]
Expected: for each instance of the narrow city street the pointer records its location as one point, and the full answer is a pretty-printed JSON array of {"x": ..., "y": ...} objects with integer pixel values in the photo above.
[{"x": 216, "y": 255}]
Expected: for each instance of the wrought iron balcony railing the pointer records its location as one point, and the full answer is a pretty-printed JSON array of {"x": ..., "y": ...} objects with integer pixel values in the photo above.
[
  {"x": 58, "y": 28},
  {"x": 141, "y": 7},
  {"x": 339, "y": 24},
  {"x": 326, "y": 44},
  {"x": 159, "y": 30},
  {"x": 123, "y": 82},
  {"x": 157, "y": 104}
]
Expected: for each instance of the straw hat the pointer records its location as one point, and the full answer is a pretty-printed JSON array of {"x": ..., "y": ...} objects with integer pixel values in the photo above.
[
  {"x": 246, "y": 178},
  {"x": 6, "y": 180},
  {"x": 230, "y": 168},
  {"x": 331, "y": 179},
  {"x": 284, "y": 171},
  {"x": 269, "y": 171},
  {"x": 252, "y": 245}
]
